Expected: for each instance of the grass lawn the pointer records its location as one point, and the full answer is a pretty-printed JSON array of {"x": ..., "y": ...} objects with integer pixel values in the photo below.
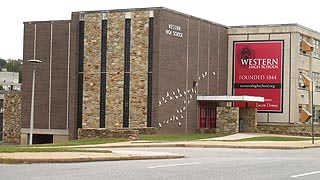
[
  {"x": 51, "y": 147},
  {"x": 86, "y": 142},
  {"x": 276, "y": 138},
  {"x": 176, "y": 137}
]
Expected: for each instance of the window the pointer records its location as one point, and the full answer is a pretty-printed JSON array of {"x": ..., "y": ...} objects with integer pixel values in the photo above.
[
  {"x": 316, "y": 81},
  {"x": 316, "y": 50},
  {"x": 301, "y": 78},
  {"x": 300, "y": 110},
  {"x": 306, "y": 39},
  {"x": 316, "y": 113}
]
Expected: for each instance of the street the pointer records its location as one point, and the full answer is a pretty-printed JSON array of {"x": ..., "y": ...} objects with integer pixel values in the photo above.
[{"x": 200, "y": 163}]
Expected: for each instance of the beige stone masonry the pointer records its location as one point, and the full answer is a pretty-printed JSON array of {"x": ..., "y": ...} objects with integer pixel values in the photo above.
[
  {"x": 248, "y": 119},
  {"x": 288, "y": 129},
  {"x": 227, "y": 120},
  {"x": 115, "y": 70},
  {"x": 139, "y": 69},
  {"x": 108, "y": 133},
  {"x": 91, "y": 74},
  {"x": 12, "y": 118}
]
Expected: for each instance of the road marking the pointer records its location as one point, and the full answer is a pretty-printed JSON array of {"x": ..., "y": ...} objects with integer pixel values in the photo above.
[
  {"x": 305, "y": 174},
  {"x": 173, "y": 165}
]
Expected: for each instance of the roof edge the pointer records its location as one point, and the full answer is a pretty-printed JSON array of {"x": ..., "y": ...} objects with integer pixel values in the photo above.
[
  {"x": 152, "y": 8},
  {"x": 48, "y": 21},
  {"x": 276, "y": 25}
]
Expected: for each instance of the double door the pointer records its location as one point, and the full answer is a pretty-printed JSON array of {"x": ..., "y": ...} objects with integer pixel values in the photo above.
[{"x": 207, "y": 116}]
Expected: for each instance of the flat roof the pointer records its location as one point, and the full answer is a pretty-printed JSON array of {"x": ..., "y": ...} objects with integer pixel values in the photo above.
[
  {"x": 231, "y": 98},
  {"x": 275, "y": 25},
  {"x": 153, "y": 9}
]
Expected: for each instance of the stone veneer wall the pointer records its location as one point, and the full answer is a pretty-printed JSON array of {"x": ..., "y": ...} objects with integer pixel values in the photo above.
[
  {"x": 249, "y": 119},
  {"x": 227, "y": 120},
  {"x": 146, "y": 130},
  {"x": 12, "y": 118},
  {"x": 108, "y": 133},
  {"x": 288, "y": 129},
  {"x": 115, "y": 69},
  {"x": 139, "y": 69},
  {"x": 91, "y": 68}
]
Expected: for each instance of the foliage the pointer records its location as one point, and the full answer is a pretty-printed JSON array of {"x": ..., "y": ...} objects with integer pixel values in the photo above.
[
  {"x": 12, "y": 65},
  {"x": 2, "y": 63}
]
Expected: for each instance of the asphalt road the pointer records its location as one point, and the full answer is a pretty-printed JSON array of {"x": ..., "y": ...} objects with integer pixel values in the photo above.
[{"x": 199, "y": 164}]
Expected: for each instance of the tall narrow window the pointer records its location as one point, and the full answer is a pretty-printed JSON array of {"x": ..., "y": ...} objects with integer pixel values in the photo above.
[
  {"x": 80, "y": 73},
  {"x": 150, "y": 61},
  {"x": 103, "y": 74},
  {"x": 126, "y": 87}
]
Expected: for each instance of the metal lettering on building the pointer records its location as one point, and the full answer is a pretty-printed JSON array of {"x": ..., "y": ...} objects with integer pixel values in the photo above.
[{"x": 174, "y": 30}]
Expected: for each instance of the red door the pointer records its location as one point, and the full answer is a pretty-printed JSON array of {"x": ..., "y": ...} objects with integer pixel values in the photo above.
[
  {"x": 212, "y": 117},
  {"x": 203, "y": 117},
  {"x": 207, "y": 117}
]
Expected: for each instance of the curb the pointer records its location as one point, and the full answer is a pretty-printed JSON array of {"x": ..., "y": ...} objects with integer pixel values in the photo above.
[
  {"x": 87, "y": 159},
  {"x": 204, "y": 146}
]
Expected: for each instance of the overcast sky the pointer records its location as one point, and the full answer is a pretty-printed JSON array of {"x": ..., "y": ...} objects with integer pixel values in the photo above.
[{"x": 227, "y": 12}]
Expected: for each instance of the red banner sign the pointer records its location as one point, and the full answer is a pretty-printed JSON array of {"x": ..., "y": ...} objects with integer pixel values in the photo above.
[{"x": 257, "y": 71}]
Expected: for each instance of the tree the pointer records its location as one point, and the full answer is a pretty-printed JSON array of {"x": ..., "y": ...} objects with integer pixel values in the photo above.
[
  {"x": 2, "y": 63},
  {"x": 12, "y": 65}
]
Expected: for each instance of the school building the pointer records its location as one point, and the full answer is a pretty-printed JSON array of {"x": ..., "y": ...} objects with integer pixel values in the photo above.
[{"x": 155, "y": 69}]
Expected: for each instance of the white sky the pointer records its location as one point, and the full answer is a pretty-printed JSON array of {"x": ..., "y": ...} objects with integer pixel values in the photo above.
[{"x": 227, "y": 12}]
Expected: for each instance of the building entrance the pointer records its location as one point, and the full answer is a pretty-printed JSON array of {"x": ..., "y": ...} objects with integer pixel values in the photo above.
[{"x": 207, "y": 115}]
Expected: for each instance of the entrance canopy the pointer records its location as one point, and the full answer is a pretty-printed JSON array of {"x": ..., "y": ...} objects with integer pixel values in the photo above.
[{"x": 231, "y": 98}]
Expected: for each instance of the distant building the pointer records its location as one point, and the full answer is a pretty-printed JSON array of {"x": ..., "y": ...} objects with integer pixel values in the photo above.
[
  {"x": 9, "y": 80},
  {"x": 287, "y": 56},
  {"x": 1, "y": 115}
]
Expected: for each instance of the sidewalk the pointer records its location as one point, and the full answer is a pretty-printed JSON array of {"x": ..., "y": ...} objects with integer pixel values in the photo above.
[
  {"x": 65, "y": 157},
  {"x": 214, "y": 144},
  {"x": 219, "y": 142}
]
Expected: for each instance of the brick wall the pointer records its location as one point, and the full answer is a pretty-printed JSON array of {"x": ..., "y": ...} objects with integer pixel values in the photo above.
[{"x": 195, "y": 64}]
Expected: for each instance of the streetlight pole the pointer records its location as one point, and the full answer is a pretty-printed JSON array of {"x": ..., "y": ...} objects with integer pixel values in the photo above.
[
  {"x": 309, "y": 48},
  {"x": 311, "y": 93},
  {"x": 34, "y": 62},
  {"x": 312, "y": 118}
]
